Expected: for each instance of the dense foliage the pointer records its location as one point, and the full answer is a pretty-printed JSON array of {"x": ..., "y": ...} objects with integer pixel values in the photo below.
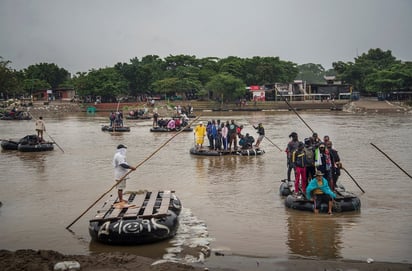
[
  {"x": 375, "y": 71},
  {"x": 211, "y": 78}
]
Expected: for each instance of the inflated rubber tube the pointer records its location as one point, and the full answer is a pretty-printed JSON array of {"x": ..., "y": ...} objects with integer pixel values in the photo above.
[
  {"x": 284, "y": 189},
  {"x": 35, "y": 147},
  {"x": 115, "y": 129},
  {"x": 165, "y": 130},
  {"x": 134, "y": 231},
  {"x": 346, "y": 204},
  {"x": 9, "y": 145},
  {"x": 252, "y": 152},
  {"x": 204, "y": 152}
]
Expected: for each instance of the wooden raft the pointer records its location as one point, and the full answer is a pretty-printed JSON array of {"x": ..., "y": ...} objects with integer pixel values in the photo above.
[{"x": 139, "y": 205}]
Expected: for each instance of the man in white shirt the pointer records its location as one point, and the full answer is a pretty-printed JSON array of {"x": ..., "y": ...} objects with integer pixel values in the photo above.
[{"x": 121, "y": 167}]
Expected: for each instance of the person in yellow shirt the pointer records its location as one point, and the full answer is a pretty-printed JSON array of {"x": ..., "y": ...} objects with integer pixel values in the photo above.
[{"x": 200, "y": 133}]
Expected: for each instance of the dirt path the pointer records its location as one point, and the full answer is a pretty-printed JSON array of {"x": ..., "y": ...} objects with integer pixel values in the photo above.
[{"x": 372, "y": 105}]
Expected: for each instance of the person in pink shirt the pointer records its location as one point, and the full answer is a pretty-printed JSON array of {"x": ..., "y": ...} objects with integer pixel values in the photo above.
[
  {"x": 171, "y": 124},
  {"x": 225, "y": 131}
]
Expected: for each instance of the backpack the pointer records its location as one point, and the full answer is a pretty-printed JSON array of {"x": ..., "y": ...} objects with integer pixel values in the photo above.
[{"x": 310, "y": 156}]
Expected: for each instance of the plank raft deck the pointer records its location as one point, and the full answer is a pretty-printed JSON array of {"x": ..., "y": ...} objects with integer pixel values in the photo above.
[{"x": 145, "y": 204}]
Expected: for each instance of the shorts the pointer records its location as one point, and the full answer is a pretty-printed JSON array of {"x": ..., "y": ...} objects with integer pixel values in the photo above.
[
  {"x": 321, "y": 198},
  {"x": 121, "y": 185}
]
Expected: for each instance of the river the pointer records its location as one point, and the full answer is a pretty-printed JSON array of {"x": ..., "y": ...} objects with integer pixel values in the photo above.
[{"x": 231, "y": 204}]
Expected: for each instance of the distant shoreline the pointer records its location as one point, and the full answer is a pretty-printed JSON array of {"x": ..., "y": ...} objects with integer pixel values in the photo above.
[{"x": 364, "y": 105}]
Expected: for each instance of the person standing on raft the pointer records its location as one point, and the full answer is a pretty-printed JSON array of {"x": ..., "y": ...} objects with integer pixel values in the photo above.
[
  {"x": 200, "y": 133},
  {"x": 40, "y": 128},
  {"x": 121, "y": 167}
]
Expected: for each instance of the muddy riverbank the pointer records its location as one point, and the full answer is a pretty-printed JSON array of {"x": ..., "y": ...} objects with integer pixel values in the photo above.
[{"x": 44, "y": 260}]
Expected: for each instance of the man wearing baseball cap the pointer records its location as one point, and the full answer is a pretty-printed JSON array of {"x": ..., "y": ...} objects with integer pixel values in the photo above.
[{"x": 121, "y": 167}]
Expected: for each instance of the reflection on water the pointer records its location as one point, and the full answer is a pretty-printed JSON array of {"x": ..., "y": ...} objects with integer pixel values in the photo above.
[
  {"x": 234, "y": 198},
  {"x": 314, "y": 236}
]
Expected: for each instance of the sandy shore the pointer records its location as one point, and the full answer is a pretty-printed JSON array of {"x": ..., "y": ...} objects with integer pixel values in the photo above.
[{"x": 43, "y": 260}]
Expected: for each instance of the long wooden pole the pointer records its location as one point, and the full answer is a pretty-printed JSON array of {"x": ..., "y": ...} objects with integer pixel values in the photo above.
[
  {"x": 273, "y": 143},
  {"x": 344, "y": 169},
  {"x": 293, "y": 109},
  {"x": 392, "y": 161},
  {"x": 54, "y": 141},
  {"x": 312, "y": 132},
  {"x": 127, "y": 174}
]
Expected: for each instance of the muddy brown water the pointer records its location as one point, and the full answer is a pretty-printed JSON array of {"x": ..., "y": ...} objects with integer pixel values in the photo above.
[{"x": 231, "y": 204}]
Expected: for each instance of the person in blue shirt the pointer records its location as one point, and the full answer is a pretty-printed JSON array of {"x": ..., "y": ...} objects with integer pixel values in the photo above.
[{"x": 319, "y": 188}]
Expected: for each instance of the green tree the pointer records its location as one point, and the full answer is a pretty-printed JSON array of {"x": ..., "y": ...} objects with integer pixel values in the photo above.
[
  {"x": 141, "y": 74},
  {"x": 382, "y": 81},
  {"x": 376, "y": 59},
  {"x": 311, "y": 73},
  {"x": 48, "y": 72},
  {"x": 33, "y": 85},
  {"x": 225, "y": 87},
  {"x": 175, "y": 86},
  {"x": 372, "y": 72},
  {"x": 268, "y": 70},
  {"x": 10, "y": 81},
  {"x": 209, "y": 67},
  {"x": 106, "y": 82},
  {"x": 398, "y": 76},
  {"x": 233, "y": 65}
]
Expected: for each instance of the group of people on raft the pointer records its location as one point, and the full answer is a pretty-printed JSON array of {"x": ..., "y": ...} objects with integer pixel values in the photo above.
[
  {"x": 174, "y": 123},
  {"x": 15, "y": 114},
  {"x": 116, "y": 119},
  {"x": 317, "y": 161},
  {"x": 223, "y": 135},
  {"x": 139, "y": 113},
  {"x": 187, "y": 110}
]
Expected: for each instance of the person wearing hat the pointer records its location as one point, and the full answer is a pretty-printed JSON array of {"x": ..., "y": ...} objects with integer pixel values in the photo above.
[
  {"x": 290, "y": 148},
  {"x": 121, "y": 167},
  {"x": 318, "y": 188},
  {"x": 200, "y": 133},
  {"x": 261, "y": 132}
]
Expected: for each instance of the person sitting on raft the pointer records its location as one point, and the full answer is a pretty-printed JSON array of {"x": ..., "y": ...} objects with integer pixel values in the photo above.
[
  {"x": 246, "y": 141},
  {"x": 321, "y": 192}
]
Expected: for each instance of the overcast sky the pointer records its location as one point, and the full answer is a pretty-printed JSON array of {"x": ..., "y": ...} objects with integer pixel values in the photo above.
[{"x": 79, "y": 35}]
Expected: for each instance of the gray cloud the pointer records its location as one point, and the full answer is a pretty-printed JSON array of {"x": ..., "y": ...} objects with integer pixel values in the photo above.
[{"x": 80, "y": 35}]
